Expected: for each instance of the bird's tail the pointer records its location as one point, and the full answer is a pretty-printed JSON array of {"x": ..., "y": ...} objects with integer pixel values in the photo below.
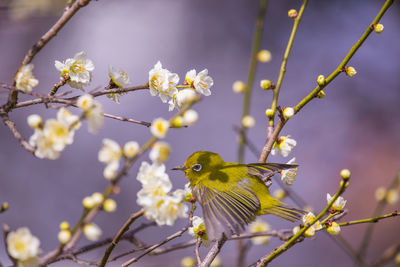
[{"x": 286, "y": 212}]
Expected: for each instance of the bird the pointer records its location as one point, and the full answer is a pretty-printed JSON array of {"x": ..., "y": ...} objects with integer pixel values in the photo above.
[{"x": 232, "y": 194}]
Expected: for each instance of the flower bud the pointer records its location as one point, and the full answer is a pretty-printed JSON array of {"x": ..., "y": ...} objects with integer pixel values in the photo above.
[
  {"x": 380, "y": 193},
  {"x": 264, "y": 56},
  {"x": 321, "y": 94},
  {"x": 248, "y": 121},
  {"x": 190, "y": 117},
  {"x": 345, "y": 173},
  {"x": 109, "y": 205},
  {"x": 269, "y": 112},
  {"x": 35, "y": 121},
  {"x": 188, "y": 262},
  {"x": 279, "y": 193},
  {"x": 177, "y": 122},
  {"x": 131, "y": 148},
  {"x": 97, "y": 198},
  {"x": 397, "y": 259},
  {"x": 266, "y": 84},
  {"x": 292, "y": 13},
  {"x": 333, "y": 228},
  {"x": 239, "y": 87},
  {"x": 64, "y": 236},
  {"x": 392, "y": 196},
  {"x": 350, "y": 71},
  {"x": 296, "y": 229},
  {"x": 92, "y": 231},
  {"x": 288, "y": 112},
  {"x": 64, "y": 225},
  {"x": 378, "y": 28},
  {"x": 321, "y": 80},
  {"x": 88, "y": 202},
  {"x": 4, "y": 206}
]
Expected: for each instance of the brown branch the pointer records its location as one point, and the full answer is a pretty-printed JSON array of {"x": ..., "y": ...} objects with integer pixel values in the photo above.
[
  {"x": 65, "y": 17},
  {"x": 213, "y": 252},
  {"x": 16, "y": 133},
  {"x": 196, "y": 250},
  {"x": 270, "y": 141},
  {"x": 118, "y": 236},
  {"x": 144, "y": 123}
]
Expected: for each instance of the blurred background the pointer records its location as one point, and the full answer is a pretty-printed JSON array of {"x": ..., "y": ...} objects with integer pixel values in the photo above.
[{"x": 355, "y": 126}]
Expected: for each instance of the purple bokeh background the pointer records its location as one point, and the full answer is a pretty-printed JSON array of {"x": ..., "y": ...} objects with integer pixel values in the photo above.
[{"x": 355, "y": 126}]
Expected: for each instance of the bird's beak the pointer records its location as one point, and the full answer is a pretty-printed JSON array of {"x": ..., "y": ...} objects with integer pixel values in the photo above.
[{"x": 179, "y": 168}]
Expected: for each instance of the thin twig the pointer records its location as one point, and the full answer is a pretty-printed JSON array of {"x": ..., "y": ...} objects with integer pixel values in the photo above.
[
  {"x": 196, "y": 250},
  {"x": 213, "y": 252},
  {"x": 65, "y": 17},
  {"x": 387, "y": 255},
  {"x": 16, "y": 133},
  {"x": 144, "y": 123},
  {"x": 118, "y": 236}
]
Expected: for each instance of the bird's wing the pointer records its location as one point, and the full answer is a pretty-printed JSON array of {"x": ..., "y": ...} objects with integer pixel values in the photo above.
[
  {"x": 265, "y": 170},
  {"x": 227, "y": 212}
]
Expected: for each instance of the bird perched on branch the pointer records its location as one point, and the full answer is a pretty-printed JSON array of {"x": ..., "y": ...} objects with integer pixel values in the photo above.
[{"x": 232, "y": 194}]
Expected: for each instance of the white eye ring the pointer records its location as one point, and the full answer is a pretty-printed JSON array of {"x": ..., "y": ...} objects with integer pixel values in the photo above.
[{"x": 196, "y": 167}]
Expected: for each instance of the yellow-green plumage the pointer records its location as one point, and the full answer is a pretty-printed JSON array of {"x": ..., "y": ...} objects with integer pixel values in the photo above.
[{"x": 232, "y": 194}]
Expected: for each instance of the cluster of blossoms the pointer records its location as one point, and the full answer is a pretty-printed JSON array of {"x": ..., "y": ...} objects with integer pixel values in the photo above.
[
  {"x": 163, "y": 83},
  {"x": 23, "y": 247},
  {"x": 111, "y": 153},
  {"x": 24, "y": 80},
  {"x": 119, "y": 79},
  {"x": 159, "y": 203},
  {"x": 156, "y": 198},
  {"x": 198, "y": 230},
  {"x": 51, "y": 137},
  {"x": 77, "y": 71},
  {"x": 332, "y": 227}
]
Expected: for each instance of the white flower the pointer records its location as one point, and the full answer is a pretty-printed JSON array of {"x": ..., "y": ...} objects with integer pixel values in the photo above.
[
  {"x": 85, "y": 102},
  {"x": 162, "y": 82},
  {"x": 307, "y": 219},
  {"x": 25, "y": 80},
  {"x": 92, "y": 231},
  {"x": 68, "y": 119},
  {"x": 79, "y": 70},
  {"x": 172, "y": 208},
  {"x": 119, "y": 77},
  {"x": 131, "y": 148},
  {"x": 35, "y": 121},
  {"x": 110, "y": 151},
  {"x": 43, "y": 146},
  {"x": 338, "y": 204},
  {"x": 160, "y": 152},
  {"x": 182, "y": 98},
  {"x": 148, "y": 173},
  {"x": 259, "y": 226},
  {"x": 111, "y": 170},
  {"x": 284, "y": 145},
  {"x": 248, "y": 121},
  {"x": 188, "y": 192},
  {"x": 64, "y": 236},
  {"x": 289, "y": 175},
  {"x": 93, "y": 112},
  {"x": 190, "y": 117},
  {"x": 333, "y": 228},
  {"x": 199, "y": 230},
  {"x": 58, "y": 134},
  {"x": 203, "y": 82},
  {"x": 159, "y": 127},
  {"x": 95, "y": 117},
  {"x": 22, "y": 245}
]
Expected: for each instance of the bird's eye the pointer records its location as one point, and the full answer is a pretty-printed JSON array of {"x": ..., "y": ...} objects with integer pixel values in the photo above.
[{"x": 196, "y": 167}]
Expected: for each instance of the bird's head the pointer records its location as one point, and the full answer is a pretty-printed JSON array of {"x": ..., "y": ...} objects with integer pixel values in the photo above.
[{"x": 200, "y": 163}]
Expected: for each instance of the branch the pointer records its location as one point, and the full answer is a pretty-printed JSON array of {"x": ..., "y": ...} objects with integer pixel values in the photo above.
[
  {"x": 213, "y": 252},
  {"x": 16, "y": 133},
  {"x": 144, "y": 123},
  {"x": 296, "y": 22},
  {"x": 65, "y": 17},
  {"x": 117, "y": 238}
]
